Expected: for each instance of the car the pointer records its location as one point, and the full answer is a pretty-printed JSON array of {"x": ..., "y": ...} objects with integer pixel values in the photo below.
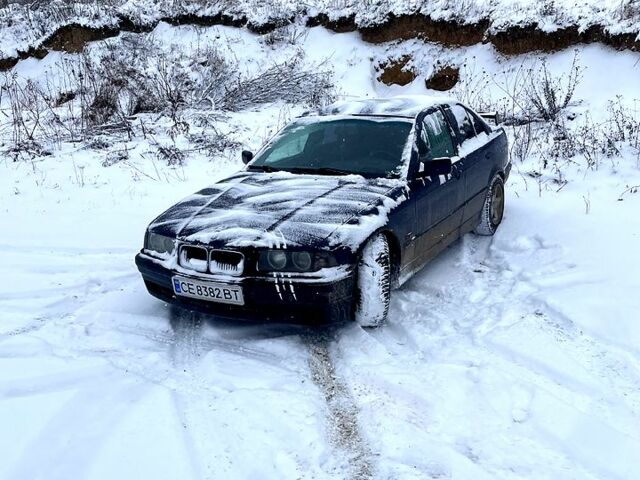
[{"x": 344, "y": 204}]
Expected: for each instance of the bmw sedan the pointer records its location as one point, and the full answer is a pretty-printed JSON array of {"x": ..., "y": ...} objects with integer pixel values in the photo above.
[{"x": 340, "y": 207}]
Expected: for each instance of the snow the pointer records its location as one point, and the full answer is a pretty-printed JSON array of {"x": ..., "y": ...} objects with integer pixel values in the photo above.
[
  {"x": 266, "y": 209},
  {"x": 372, "y": 305},
  {"x": 540, "y": 384},
  {"x": 510, "y": 357},
  {"x": 401, "y": 105},
  {"x": 472, "y": 144},
  {"x": 21, "y": 27}
]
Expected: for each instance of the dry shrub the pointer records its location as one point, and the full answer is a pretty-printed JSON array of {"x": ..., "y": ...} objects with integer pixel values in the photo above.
[
  {"x": 287, "y": 82},
  {"x": 104, "y": 91},
  {"x": 628, "y": 10},
  {"x": 548, "y": 94},
  {"x": 171, "y": 155}
]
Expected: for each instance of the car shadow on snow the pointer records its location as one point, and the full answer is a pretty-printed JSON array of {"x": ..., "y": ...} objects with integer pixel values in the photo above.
[{"x": 182, "y": 320}]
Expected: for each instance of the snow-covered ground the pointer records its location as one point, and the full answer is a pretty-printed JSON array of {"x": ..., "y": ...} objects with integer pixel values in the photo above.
[{"x": 509, "y": 357}]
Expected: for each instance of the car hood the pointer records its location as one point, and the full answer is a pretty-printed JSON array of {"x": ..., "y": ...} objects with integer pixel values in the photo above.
[{"x": 280, "y": 210}]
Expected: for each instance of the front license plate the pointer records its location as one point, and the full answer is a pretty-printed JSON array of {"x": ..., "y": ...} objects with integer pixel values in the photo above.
[{"x": 210, "y": 291}]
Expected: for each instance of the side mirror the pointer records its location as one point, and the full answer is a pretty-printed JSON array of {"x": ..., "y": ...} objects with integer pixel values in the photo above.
[
  {"x": 247, "y": 156},
  {"x": 437, "y": 166}
]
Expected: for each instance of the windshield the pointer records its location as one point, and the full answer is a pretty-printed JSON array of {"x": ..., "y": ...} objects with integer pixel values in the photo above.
[{"x": 367, "y": 147}]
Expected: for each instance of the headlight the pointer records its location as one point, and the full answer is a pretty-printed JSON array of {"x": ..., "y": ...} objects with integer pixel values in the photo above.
[
  {"x": 159, "y": 243},
  {"x": 294, "y": 261},
  {"x": 276, "y": 259},
  {"x": 301, "y": 260}
]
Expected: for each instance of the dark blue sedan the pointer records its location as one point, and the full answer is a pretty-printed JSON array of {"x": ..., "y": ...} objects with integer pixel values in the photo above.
[{"x": 340, "y": 207}]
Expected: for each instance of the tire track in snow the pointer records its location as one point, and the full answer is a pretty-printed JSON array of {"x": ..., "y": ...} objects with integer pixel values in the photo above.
[
  {"x": 62, "y": 300},
  {"x": 606, "y": 362},
  {"x": 87, "y": 377},
  {"x": 484, "y": 316},
  {"x": 206, "y": 344},
  {"x": 65, "y": 448},
  {"x": 491, "y": 297},
  {"x": 185, "y": 350},
  {"x": 68, "y": 251},
  {"x": 597, "y": 380},
  {"x": 192, "y": 397},
  {"x": 138, "y": 345},
  {"x": 186, "y": 346},
  {"x": 100, "y": 285},
  {"x": 342, "y": 411},
  {"x": 32, "y": 326},
  {"x": 616, "y": 367}
]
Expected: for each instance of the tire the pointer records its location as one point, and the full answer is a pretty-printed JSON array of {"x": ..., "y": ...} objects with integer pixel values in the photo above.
[
  {"x": 373, "y": 283},
  {"x": 493, "y": 208}
]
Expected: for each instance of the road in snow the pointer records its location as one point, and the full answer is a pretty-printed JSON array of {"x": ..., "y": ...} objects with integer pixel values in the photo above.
[{"x": 508, "y": 357}]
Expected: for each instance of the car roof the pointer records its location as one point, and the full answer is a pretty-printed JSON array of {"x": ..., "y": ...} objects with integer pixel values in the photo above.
[{"x": 406, "y": 106}]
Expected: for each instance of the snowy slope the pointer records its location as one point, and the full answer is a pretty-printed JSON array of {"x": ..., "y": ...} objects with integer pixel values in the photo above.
[
  {"x": 27, "y": 24},
  {"x": 509, "y": 357}
]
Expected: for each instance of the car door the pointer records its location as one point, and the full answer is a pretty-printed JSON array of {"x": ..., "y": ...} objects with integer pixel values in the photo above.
[
  {"x": 438, "y": 200},
  {"x": 476, "y": 159}
]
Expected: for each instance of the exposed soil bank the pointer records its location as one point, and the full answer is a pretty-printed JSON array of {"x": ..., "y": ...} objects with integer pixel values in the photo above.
[
  {"x": 396, "y": 72},
  {"x": 444, "y": 78},
  {"x": 512, "y": 41},
  {"x": 518, "y": 40},
  {"x": 417, "y": 26}
]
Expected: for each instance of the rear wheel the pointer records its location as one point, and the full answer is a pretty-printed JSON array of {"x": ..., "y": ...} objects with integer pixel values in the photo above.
[
  {"x": 493, "y": 208},
  {"x": 373, "y": 283}
]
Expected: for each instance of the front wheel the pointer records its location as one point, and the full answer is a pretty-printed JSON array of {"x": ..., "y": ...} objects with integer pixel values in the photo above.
[
  {"x": 373, "y": 287},
  {"x": 493, "y": 208}
]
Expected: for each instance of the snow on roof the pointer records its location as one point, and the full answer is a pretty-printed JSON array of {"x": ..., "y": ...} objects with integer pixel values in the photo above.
[{"x": 400, "y": 106}]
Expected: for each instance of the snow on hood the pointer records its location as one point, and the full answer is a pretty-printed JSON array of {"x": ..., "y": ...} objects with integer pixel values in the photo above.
[{"x": 256, "y": 209}]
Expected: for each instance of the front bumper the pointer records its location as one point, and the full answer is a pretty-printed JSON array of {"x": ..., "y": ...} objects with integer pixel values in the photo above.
[{"x": 278, "y": 298}]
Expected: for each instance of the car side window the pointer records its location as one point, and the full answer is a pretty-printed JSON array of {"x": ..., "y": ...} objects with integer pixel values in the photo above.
[
  {"x": 464, "y": 121},
  {"x": 478, "y": 124},
  {"x": 436, "y": 130}
]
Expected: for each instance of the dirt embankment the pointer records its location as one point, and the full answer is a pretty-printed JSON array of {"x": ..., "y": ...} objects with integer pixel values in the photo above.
[
  {"x": 73, "y": 37},
  {"x": 518, "y": 40},
  {"x": 511, "y": 41}
]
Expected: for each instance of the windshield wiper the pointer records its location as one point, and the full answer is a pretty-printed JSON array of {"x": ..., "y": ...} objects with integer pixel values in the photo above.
[
  {"x": 264, "y": 168},
  {"x": 309, "y": 170},
  {"x": 320, "y": 171}
]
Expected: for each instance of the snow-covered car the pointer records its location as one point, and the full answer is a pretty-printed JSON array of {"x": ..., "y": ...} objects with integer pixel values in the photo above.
[{"x": 342, "y": 205}]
